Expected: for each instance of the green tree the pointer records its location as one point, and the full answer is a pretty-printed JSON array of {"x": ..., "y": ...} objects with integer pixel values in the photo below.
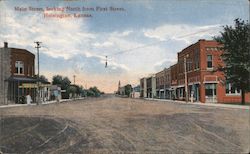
[
  {"x": 60, "y": 80},
  {"x": 96, "y": 91},
  {"x": 57, "y": 80},
  {"x": 72, "y": 89},
  {"x": 93, "y": 91},
  {"x": 128, "y": 89},
  {"x": 42, "y": 78},
  {"x": 236, "y": 55}
]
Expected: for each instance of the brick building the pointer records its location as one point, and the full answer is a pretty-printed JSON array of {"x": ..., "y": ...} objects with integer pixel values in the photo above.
[
  {"x": 17, "y": 77},
  {"x": 163, "y": 83},
  {"x": 160, "y": 84},
  {"x": 173, "y": 81},
  {"x": 204, "y": 82}
]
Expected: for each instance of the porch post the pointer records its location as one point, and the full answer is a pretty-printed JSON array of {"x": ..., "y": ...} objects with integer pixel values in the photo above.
[{"x": 18, "y": 92}]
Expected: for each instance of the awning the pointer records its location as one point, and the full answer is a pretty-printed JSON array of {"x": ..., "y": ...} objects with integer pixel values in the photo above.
[
  {"x": 26, "y": 79},
  {"x": 33, "y": 85}
]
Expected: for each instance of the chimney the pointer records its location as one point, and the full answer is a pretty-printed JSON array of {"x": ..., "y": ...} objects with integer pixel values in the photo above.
[{"x": 5, "y": 44}]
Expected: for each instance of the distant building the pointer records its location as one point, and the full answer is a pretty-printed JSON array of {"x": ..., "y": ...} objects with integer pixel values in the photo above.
[
  {"x": 160, "y": 84},
  {"x": 135, "y": 92},
  {"x": 203, "y": 80},
  {"x": 56, "y": 92},
  {"x": 174, "y": 81},
  {"x": 17, "y": 77},
  {"x": 122, "y": 90},
  {"x": 143, "y": 89},
  {"x": 148, "y": 87},
  {"x": 151, "y": 86}
]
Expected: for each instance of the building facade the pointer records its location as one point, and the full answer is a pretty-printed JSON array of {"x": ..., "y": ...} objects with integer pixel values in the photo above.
[
  {"x": 163, "y": 84},
  {"x": 135, "y": 92},
  {"x": 203, "y": 80},
  {"x": 195, "y": 77},
  {"x": 151, "y": 86},
  {"x": 18, "y": 76},
  {"x": 143, "y": 89},
  {"x": 173, "y": 81},
  {"x": 160, "y": 84}
]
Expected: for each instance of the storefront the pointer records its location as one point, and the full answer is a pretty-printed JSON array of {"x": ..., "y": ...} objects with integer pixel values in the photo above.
[
  {"x": 211, "y": 92},
  {"x": 20, "y": 87}
]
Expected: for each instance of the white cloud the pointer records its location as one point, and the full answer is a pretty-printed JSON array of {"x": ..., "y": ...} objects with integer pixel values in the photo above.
[
  {"x": 104, "y": 44},
  {"x": 182, "y": 32}
]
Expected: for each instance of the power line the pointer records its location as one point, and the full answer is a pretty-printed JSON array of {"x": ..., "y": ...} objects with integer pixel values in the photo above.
[{"x": 158, "y": 42}]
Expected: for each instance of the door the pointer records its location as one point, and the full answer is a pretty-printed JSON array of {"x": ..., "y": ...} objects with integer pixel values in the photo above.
[{"x": 211, "y": 92}]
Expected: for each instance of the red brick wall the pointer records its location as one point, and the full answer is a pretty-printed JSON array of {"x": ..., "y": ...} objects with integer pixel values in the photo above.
[
  {"x": 174, "y": 73},
  {"x": 28, "y": 59},
  {"x": 160, "y": 79},
  {"x": 202, "y": 73}
]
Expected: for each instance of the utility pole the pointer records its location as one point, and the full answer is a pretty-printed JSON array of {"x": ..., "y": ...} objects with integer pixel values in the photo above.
[
  {"x": 38, "y": 72},
  {"x": 185, "y": 73},
  {"x": 164, "y": 80},
  {"x": 74, "y": 79}
]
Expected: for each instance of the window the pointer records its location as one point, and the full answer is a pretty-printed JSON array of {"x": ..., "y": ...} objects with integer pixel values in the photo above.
[
  {"x": 209, "y": 61},
  {"x": 210, "y": 89},
  {"x": 232, "y": 90},
  {"x": 19, "y": 67},
  {"x": 189, "y": 66}
]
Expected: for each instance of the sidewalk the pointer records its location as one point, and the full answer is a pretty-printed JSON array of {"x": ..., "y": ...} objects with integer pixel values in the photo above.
[
  {"x": 202, "y": 104},
  {"x": 43, "y": 103}
]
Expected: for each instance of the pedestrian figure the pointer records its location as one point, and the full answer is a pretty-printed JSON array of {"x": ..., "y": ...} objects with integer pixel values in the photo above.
[{"x": 28, "y": 99}]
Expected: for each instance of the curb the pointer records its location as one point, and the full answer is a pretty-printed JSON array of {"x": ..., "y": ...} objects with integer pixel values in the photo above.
[
  {"x": 44, "y": 103},
  {"x": 202, "y": 104}
]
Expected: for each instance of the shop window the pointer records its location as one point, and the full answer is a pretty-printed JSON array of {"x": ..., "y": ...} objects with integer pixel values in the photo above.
[
  {"x": 210, "y": 89},
  {"x": 232, "y": 90}
]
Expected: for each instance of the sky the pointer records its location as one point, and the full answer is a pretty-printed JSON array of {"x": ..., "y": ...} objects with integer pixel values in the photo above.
[{"x": 141, "y": 39}]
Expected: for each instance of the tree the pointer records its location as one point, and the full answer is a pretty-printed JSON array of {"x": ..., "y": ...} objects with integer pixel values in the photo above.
[
  {"x": 236, "y": 55},
  {"x": 96, "y": 91},
  {"x": 128, "y": 89},
  {"x": 60, "y": 80},
  {"x": 42, "y": 78},
  {"x": 72, "y": 90},
  {"x": 93, "y": 91}
]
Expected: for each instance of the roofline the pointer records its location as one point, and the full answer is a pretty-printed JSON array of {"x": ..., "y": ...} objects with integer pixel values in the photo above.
[
  {"x": 200, "y": 40},
  {"x": 18, "y": 49}
]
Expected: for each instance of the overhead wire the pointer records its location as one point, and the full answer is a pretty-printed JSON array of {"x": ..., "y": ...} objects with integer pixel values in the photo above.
[{"x": 158, "y": 42}]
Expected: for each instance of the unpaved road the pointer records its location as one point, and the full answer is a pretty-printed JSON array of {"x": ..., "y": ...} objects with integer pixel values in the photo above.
[{"x": 111, "y": 125}]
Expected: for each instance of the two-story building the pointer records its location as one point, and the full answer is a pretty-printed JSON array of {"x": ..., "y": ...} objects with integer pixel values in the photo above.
[
  {"x": 196, "y": 75},
  {"x": 17, "y": 77},
  {"x": 160, "y": 84},
  {"x": 204, "y": 82},
  {"x": 163, "y": 84}
]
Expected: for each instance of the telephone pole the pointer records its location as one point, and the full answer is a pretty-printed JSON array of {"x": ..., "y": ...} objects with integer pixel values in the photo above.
[
  {"x": 185, "y": 73},
  {"x": 74, "y": 79},
  {"x": 186, "y": 79},
  {"x": 38, "y": 72}
]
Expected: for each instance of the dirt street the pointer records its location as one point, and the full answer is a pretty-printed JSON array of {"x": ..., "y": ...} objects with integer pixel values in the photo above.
[{"x": 111, "y": 125}]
